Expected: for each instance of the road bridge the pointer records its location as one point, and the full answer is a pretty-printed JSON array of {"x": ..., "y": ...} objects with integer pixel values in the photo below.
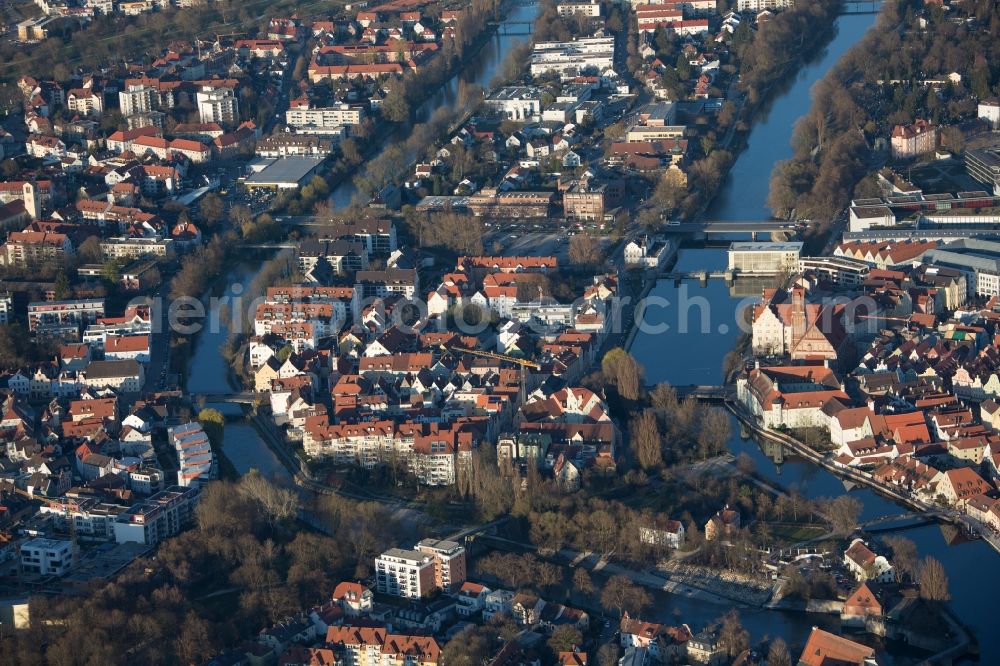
[
  {"x": 861, "y": 7},
  {"x": 712, "y": 227}
]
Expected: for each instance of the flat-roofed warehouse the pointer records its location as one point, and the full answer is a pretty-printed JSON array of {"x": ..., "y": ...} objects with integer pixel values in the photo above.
[{"x": 285, "y": 173}]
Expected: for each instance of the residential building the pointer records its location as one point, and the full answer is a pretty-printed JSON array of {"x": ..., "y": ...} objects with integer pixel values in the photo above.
[
  {"x": 47, "y": 557},
  {"x": 405, "y": 573},
  {"x": 915, "y": 139},
  {"x": 309, "y": 119},
  {"x": 125, "y": 376},
  {"x": 824, "y": 649},
  {"x": 865, "y": 565},
  {"x": 515, "y": 102},
  {"x": 27, "y": 249},
  {"x": 570, "y": 59},
  {"x": 157, "y": 517},
  {"x": 651, "y": 252},
  {"x": 590, "y": 8},
  {"x": 989, "y": 112},
  {"x": 756, "y": 6},
  {"x": 449, "y": 563},
  {"x": 138, "y": 98},
  {"x": 196, "y": 460},
  {"x": 723, "y": 525},
  {"x": 80, "y": 312},
  {"x": 128, "y": 248},
  {"x": 217, "y": 105}
]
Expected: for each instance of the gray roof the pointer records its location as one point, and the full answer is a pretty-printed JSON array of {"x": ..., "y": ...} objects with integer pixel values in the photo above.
[
  {"x": 285, "y": 170},
  {"x": 112, "y": 369}
]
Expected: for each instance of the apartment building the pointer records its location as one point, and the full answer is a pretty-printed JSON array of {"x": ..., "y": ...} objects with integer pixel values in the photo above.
[
  {"x": 410, "y": 574},
  {"x": 915, "y": 139},
  {"x": 157, "y": 517},
  {"x": 135, "y": 248},
  {"x": 80, "y": 311},
  {"x": 125, "y": 376},
  {"x": 217, "y": 105},
  {"x": 197, "y": 462},
  {"x": 138, "y": 98},
  {"x": 515, "y": 102},
  {"x": 591, "y": 8},
  {"x": 46, "y": 557},
  {"x": 30, "y": 248},
  {"x": 449, "y": 563},
  {"x": 330, "y": 116}
]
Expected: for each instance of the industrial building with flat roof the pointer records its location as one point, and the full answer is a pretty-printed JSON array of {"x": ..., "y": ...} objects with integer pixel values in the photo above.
[{"x": 763, "y": 258}]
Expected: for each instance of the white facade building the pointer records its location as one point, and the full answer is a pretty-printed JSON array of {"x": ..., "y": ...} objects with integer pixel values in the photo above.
[
  {"x": 47, "y": 557},
  {"x": 404, "y": 573},
  {"x": 217, "y": 105}
]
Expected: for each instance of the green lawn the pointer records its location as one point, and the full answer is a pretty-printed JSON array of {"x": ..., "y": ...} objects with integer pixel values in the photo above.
[{"x": 796, "y": 533}]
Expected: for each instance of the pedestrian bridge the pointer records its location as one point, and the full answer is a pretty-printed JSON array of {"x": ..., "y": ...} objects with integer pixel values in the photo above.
[
  {"x": 235, "y": 397},
  {"x": 706, "y": 392}
]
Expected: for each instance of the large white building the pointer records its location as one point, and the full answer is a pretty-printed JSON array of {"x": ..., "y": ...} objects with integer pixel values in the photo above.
[
  {"x": 47, "y": 557},
  {"x": 515, "y": 102},
  {"x": 989, "y": 111},
  {"x": 331, "y": 117},
  {"x": 217, "y": 105},
  {"x": 569, "y": 59},
  {"x": 764, "y": 258},
  {"x": 761, "y": 5},
  {"x": 197, "y": 462},
  {"x": 157, "y": 517},
  {"x": 137, "y": 98},
  {"x": 405, "y": 573},
  {"x": 591, "y": 8}
]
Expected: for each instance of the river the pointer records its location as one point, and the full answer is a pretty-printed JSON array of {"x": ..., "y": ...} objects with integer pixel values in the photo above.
[
  {"x": 208, "y": 372},
  {"x": 710, "y": 315},
  {"x": 480, "y": 70}
]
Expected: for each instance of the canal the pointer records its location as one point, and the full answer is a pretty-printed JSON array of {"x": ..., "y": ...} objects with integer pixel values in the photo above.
[
  {"x": 480, "y": 70},
  {"x": 704, "y": 322}
]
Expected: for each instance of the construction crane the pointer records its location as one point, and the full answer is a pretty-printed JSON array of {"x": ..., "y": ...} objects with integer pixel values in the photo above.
[{"x": 522, "y": 363}]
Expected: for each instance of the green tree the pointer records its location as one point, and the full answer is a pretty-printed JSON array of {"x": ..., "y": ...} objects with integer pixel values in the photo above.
[
  {"x": 62, "y": 288},
  {"x": 213, "y": 422}
]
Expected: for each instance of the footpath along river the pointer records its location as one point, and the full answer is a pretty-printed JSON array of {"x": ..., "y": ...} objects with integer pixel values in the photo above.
[{"x": 702, "y": 322}]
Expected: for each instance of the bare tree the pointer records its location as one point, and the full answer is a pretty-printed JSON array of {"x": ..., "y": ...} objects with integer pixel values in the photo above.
[
  {"x": 904, "y": 557},
  {"x": 582, "y": 581},
  {"x": 842, "y": 513},
  {"x": 622, "y": 595},
  {"x": 277, "y": 503},
  {"x": 933, "y": 580},
  {"x": 777, "y": 653},
  {"x": 733, "y": 637},
  {"x": 585, "y": 250},
  {"x": 645, "y": 435}
]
